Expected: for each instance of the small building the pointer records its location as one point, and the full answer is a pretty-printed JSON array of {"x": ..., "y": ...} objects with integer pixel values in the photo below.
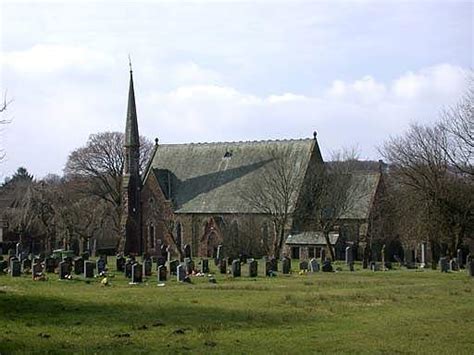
[{"x": 307, "y": 245}]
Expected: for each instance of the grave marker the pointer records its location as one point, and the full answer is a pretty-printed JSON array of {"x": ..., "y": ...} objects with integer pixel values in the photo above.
[
  {"x": 187, "y": 251},
  {"x": 180, "y": 273},
  {"x": 137, "y": 274},
  {"x": 63, "y": 270},
  {"x": 120, "y": 263},
  {"x": 205, "y": 266},
  {"x": 147, "y": 265},
  {"x": 101, "y": 265},
  {"x": 443, "y": 264},
  {"x": 15, "y": 268},
  {"x": 88, "y": 269},
  {"x": 223, "y": 266},
  {"x": 36, "y": 270},
  {"x": 174, "y": 267},
  {"x": 286, "y": 265},
  {"x": 162, "y": 273},
  {"x": 78, "y": 266},
  {"x": 236, "y": 272},
  {"x": 253, "y": 268},
  {"x": 313, "y": 265},
  {"x": 303, "y": 265}
]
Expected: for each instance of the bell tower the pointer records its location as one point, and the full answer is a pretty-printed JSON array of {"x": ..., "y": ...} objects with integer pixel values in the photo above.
[{"x": 131, "y": 182}]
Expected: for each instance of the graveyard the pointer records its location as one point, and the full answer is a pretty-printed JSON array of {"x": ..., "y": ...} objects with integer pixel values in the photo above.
[{"x": 235, "y": 308}]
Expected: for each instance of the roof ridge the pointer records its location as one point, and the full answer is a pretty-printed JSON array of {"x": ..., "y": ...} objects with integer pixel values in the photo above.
[{"x": 242, "y": 142}]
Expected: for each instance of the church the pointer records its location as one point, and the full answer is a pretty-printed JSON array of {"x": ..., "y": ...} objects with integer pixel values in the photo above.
[{"x": 203, "y": 195}]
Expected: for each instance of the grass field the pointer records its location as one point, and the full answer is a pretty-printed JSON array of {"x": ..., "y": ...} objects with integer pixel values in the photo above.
[{"x": 399, "y": 311}]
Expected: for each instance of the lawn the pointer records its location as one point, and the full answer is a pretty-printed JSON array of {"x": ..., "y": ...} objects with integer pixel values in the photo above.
[{"x": 398, "y": 311}]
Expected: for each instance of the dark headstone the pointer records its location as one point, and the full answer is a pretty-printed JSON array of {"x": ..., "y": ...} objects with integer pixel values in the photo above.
[
  {"x": 268, "y": 267},
  {"x": 470, "y": 268},
  {"x": 327, "y": 267},
  {"x": 220, "y": 254},
  {"x": 19, "y": 249},
  {"x": 101, "y": 265},
  {"x": 36, "y": 269},
  {"x": 286, "y": 265},
  {"x": 313, "y": 265},
  {"x": 26, "y": 264},
  {"x": 223, "y": 266},
  {"x": 303, "y": 265},
  {"x": 205, "y": 266},
  {"x": 236, "y": 268},
  {"x": 3, "y": 266},
  {"x": 174, "y": 267},
  {"x": 349, "y": 256},
  {"x": 274, "y": 263},
  {"x": 253, "y": 268},
  {"x": 15, "y": 268},
  {"x": 187, "y": 251},
  {"x": 78, "y": 266},
  {"x": 162, "y": 273},
  {"x": 322, "y": 254},
  {"x": 137, "y": 273},
  {"x": 120, "y": 263},
  {"x": 128, "y": 268},
  {"x": 89, "y": 269},
  {"x": 180, "y": 273},
  {"x": 460, "y": 258},
  {"x": 189, "y": 265},
  {"x": 50, "y": 264},
  {"x": 160, "y": 261},
  {"x": 374, "y": 266},
  {"x": 453, "y": 265},
  {"x": 147, "y": 266},
  {"x": 351, "y": 266},
  {"x": 444, "y": 264},
  {"x": 63, "y": 270}
]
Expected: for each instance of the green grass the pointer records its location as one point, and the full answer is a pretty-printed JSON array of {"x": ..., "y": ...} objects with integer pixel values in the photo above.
[{"x": 400, "y": 311}]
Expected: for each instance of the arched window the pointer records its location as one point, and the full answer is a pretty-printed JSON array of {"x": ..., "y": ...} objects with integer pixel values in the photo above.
[{"x": 151, "y": 235}]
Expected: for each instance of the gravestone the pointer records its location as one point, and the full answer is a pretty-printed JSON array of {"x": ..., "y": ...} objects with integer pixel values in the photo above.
[
  {"x": 36, "y": 269},
  {"x": 174, "y": 267},
  {"x": 120, "y": 263},
  {"x": 460, "y": 258},
  {"x": 223, "y": 266},
  {"x": 453, "y": 265},
  {"x": 164, "y": 251},
  {"x": 423, "y": 255},
  {"x": 286, "y": 265},
  {"x": 313, "y": 265},
  {"x": 26, "y": 265},
  {"x": 168, "y": 253},
  {"x": 322, "y": 254},
  {"x": 268, "y": 267},
  {"x": 253, "y": 268},
  {"x": 147, "y": 266},
  {"x": 189, "y": 265},
  {"x": 236, "y": 268},
  {"x": 220, "y": 254},
  {"x": 274, "y": 263},
  {"x": 63, "y": 270},
  {"x": 18, "y": 250},
  {"x": 89, "y": 269},
  {"x": 160, "y": 261},
  {"x": 327, "y": 266},
  {"x": 3, "y": 266},
  {"x": 137, "y": 273},
  {"x": 351, "y": 266},
  {"x": 205, "y": 266},
  {"x": 128, "y": 268},
  {"x": 78, "y": 266},
  {"x": 374, "y": 266},
  {"x": 443, "y": 264},
  {"x": 162, "y": 273},
  {"x": 50, "y": 264},
  {"x": 187, "y": 251},
  {"x": 349, "y": 255},
  {"x": 303, "y": 265},
  {"x": 104, "y": 257},
  {"x": 470, "y": 268},
  {"x": 180, "y": 273},
  {"x": 101, "y": 265},
  {"x": 15, "y": 268}
]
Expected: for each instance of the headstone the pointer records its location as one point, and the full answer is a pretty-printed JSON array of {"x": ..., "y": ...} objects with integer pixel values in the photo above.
[
  {"x": 223, "y": 266},
  {"x": 50, "y": 264},
  {"x": 351, "y": 266},
  {"x": 187, "y": 251},
  {"x": 453, "y": 265},
  {"x": 168, "y": 253},
  {"x": 313, "y": 265},
  {"x": 18, "y": 250},
  {"x": 443, "y": 264},
  {"x": 78, "y": 266},
  {"x": 205, "y": 266},
  {"x": 220, "y": 254},
  {"x": 36, "y": 269},
  {"x": 189, "y": 265},
  {"x": 160, "y": 261},
  {"x": 423, "y": 255},
  {"x": 26, "y": 265},
  {"x": 162, "y": 273},
  {"x": 3, "y": 266},
  {"x": 253, "y": 268},
  {"x": 173, "y": 267},
  {"x": 286, "y": 265},
  {"x": 147, "y": 266},
  {"x": 128, "y": 268},
  {"x": 89, "y": 269},
  {"x": 268, "y": 267},
  {"x": 303, "y": 265},
  {"x": 15, "y": 268},
  {"x": 349, "y": 256},
  {"x": 236, "y": 268},
  {"x": 120, "y": 263},
  {"x": 164, "y": 251},
  {"x": 374, "y": 266},
  {"x": 327, "y": 266},
  {"x": 180, "y": 273},
  {"x": 274, "y": 262},
  {"x": 460, "y": 258},
  {"x": 137, "y": 273},
  {"x": 101, "y": 265},
  {"x": 63, "y": 270},
  {"x": 470, "y": 268}
]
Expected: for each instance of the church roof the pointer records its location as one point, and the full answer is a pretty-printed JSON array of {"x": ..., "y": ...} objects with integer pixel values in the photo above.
[
  {"x": 361, "y": 194},
  {"x": 212, "y": 177},
  {"x": 311, "y": 238}
]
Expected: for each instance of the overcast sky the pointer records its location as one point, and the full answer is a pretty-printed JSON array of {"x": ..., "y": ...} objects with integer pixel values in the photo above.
[{"x": 355, "y": 71}]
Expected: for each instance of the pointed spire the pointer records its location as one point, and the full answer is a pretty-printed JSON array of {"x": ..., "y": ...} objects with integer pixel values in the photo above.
[{"x": 131, "y": 128}]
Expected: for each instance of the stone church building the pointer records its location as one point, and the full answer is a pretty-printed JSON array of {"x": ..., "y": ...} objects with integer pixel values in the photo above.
[{"x": 199, "y": 194}]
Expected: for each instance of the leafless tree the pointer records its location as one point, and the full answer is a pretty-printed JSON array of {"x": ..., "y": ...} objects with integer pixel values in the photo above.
[{"x": 3, "y": 108}]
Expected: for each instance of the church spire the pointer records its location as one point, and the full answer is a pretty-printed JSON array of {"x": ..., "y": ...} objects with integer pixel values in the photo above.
[{"x": 131, "y": 128}]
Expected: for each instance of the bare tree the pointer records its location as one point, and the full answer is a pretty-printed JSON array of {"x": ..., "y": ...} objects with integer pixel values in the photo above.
[
  {"x": 3, "y": 107},
  {"x": 99, "y": 165}
]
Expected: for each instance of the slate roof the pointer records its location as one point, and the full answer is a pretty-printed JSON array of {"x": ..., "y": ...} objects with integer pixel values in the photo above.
[
  {"x": 311, "y": 238},
  {"x": 361, "y": 195},
  {"x": 209, "y": 177}
]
